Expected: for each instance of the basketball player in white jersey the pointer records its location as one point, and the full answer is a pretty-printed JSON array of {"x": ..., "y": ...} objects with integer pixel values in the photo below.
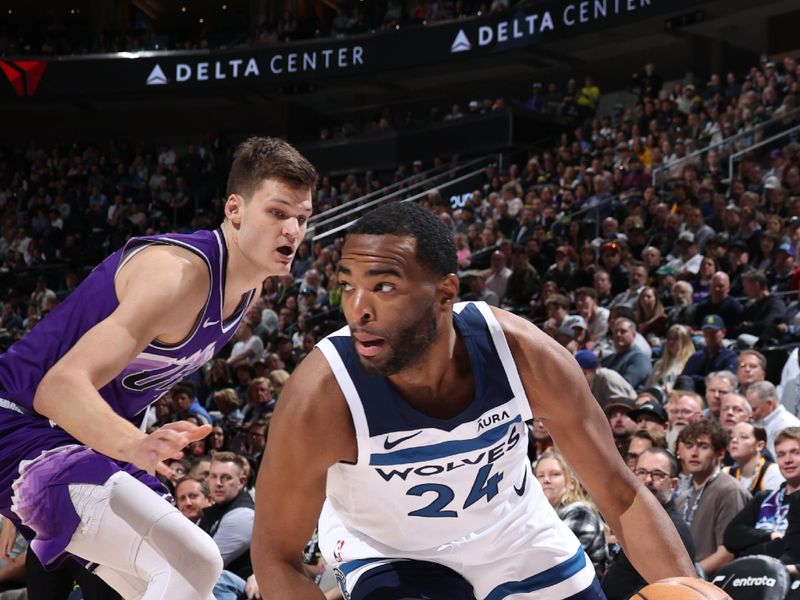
[{"x": 406, "y": 431}]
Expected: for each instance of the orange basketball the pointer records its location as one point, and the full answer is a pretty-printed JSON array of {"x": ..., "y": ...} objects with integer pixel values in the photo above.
[{"x": 680, "y": 588}]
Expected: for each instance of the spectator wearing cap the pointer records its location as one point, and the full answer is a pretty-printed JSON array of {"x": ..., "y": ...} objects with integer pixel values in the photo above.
[
  {"x": 767, "y": 409},
  {"x": 739, "y": 260},
  {"x": 596, "y": 316},
  {"x": 676, "y": 352},
  {"x": 783, "y": 269},
  {"x": 628, "y": 360},
  {"x": 478, "y": 292},
  {"x": 561, "y": 270},
  {"x": 651, "y": 417},
  {"x": 637, "y": 278},
  {"x": 579, "y": 332},
  {"x": 666, "y": 277},
  {"x": 713, "y": 498},
  {"x": 611, "y": 257},
  {"x": 717, "y": 248},
  {"x": 499, "y": 274},
  {"x": 248, "y": 347},
  {"x": 523, "y": 282},
  {"x": 687, "y": 263},
  {"x": 720, "y": 302},
  {"x": 763, "y": 312},
  {"x": 622, "y": 426},
  {"x": 718, "y": 385},
  {"x": 714, "y": 357},
  {"x": 607, "y": 385}
]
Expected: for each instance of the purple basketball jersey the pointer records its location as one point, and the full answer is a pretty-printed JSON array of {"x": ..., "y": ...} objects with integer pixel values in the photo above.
[{"x": 24, "y": 434}]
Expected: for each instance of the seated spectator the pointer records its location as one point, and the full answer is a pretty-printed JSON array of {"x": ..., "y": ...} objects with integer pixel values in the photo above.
[
  {"x": 201, "y": 467},
  {"x": 248, "y": 346},
  {"x": 260, "y": 402},
  {"x": 217, "y": 441},
  {"x": 557, "y": 308},
  {"x": 651, "y": 417},
  {"x": 637, "y": 277},
  {"x": 714, "y": 498},
  {"x": 478, "y": 292},
  {"x": 677, "y": 351},
  {"x": 760, "y": 527},
  {"x": 718, "y": 384},
  {"x": 641, "y": 440},
  {"x": 607, "y": 386},
  {"x": 622, "y": 426},
  {"x": 752, "y": 469},
  {"x": 596, "y": 316},
  {"x": 719, "y": 302},
  {"x": 524, "y": 281},
  {"x": 186, "y": 404},
  {"x": 228, "y": 414},
  {"x": 657, "y": 469},
  {"x": 540, "y": 439},
  {"x": 767, "y": 409},
  {"x": 763, "y": 312},
  {"x": 701, "y": 283},
  {"x": 229, "y": 521},
  {"x": 192, "y": 496},
  {"x": 628, "y": 360},
  {"x": 683, "y": 308},
  {"x": 752, "y": 367},
  {"x": 734, "y": 409},
  {"x": 566, "y": 495},
  {"x": 650, "y": 316},
  {"x": 611, "y": 257},
  {"x": 498, "y": 275},
  {"x": 714, "y": 357},
  {"x": 687, "y": 263}
]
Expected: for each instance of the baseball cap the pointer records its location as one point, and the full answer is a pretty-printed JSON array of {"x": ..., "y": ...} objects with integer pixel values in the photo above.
[
  {"x": 686, "y": 237},
  {"x": 308, "y": 290},
  {"x": 738, "y": 244},
  {"x": 574, "y": 321},
  {"x": 650, "y": 408},
  {"x": 566, "y": 331},
  {"x": 587, "y": 359},
  {"x": 610, "y": 247},
  {"x": 733, "y": 207},
  {"x": 713, "y": 322},
  {"x": 720, "y": 239},
  {"x": 666, "y": 270},
  {"x": 772, "y": 183},
  {"x": 786, "y": 248},
  {"x": 620, "y": 403}
]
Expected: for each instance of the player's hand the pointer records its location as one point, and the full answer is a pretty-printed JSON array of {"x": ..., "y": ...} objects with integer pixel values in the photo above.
[
  {"x": 165, "y": 442},
  {"x": 8, "y": 534},
  {"x": 251, "y": 589}
]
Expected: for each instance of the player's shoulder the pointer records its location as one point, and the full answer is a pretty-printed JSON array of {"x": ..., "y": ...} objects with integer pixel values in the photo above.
[
  {"x": 521, "y": 333},
  {"x": 171, "y": 268}
]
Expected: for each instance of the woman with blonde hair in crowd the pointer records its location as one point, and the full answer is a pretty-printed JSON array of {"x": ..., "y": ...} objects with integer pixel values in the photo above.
[
  {"x": 677, "y": 350},
  {"x": 278, "y": 377},
  {"x": 567, "y": 496},
  {"x": 650, "y": 316}
]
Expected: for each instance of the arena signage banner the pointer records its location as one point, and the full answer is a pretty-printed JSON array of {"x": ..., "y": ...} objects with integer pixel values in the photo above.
[{"x": 165, "y": 71}]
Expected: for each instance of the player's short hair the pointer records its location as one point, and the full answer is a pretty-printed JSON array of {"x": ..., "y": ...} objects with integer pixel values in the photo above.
[
  {"x": 260, "y": 158},
  {"x": 436, "y": 248},
  {"x": 716, "y": 434}
]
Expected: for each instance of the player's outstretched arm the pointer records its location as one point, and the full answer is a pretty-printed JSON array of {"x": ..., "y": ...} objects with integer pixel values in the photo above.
[
  {"x": 310, "y": 431},
  {"x": 161, "y": 291},
  {"x": 559, "y": 394}
]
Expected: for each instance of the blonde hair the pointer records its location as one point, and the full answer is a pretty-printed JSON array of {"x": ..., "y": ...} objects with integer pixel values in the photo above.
[
  {"x": 278, "y": 377},
  {"x": 574, "y": 489},
  {"x": 673, "y": 362}
]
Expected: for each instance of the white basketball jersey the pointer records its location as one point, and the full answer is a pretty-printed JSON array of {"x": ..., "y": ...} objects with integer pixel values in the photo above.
[{"x": 420, "y": 482}]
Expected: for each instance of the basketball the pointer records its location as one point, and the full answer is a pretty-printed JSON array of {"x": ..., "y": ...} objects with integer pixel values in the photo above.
[{"x": 680, "y": 588}]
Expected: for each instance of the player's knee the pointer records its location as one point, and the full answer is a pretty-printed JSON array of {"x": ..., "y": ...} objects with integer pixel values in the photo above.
[{"x": 206, "y": 560}]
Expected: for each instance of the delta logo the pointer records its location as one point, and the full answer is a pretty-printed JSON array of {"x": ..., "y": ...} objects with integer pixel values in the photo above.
[{"x": 24, "y": 75}]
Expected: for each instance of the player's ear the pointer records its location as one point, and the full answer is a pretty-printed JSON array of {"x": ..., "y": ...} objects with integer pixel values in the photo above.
[
  {"x": 448, "y": 289},
  {"x": 233, "y": 208}
]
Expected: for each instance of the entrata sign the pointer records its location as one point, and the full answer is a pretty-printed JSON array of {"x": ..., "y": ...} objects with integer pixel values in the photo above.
[{"x": 156, "y": 72}]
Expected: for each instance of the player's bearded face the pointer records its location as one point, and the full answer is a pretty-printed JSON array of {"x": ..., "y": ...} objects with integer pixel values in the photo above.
[{"x": 404, "y": 343}]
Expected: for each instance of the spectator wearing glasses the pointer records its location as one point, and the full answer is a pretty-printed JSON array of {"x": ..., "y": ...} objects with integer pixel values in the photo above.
[
  {"x": 767, "y": 409},
  {"x": 734, "y": 408},
  {"x": 657, "y": 469},
  {"x": 641, "y": 440},
  {"x": 714, "y": 498}
]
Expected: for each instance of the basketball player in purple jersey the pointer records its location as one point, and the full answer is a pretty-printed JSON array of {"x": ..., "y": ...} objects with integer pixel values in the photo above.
[{"x": 76, "y": 469}]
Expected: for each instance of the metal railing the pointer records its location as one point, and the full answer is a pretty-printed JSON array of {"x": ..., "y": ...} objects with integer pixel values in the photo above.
[
  {"x": 755, "y": 132},
  {"x": 732, "y": 158}
]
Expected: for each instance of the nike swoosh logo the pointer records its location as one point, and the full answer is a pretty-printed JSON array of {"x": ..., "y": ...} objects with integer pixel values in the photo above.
[
  {"x": 389, "y": 445},
  {"x": 521, "y": 490},
  {"x": 210, "y": 323}
]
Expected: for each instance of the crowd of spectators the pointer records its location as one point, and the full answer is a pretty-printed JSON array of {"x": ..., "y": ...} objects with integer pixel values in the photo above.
[{"x": 670, "y": 300}]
